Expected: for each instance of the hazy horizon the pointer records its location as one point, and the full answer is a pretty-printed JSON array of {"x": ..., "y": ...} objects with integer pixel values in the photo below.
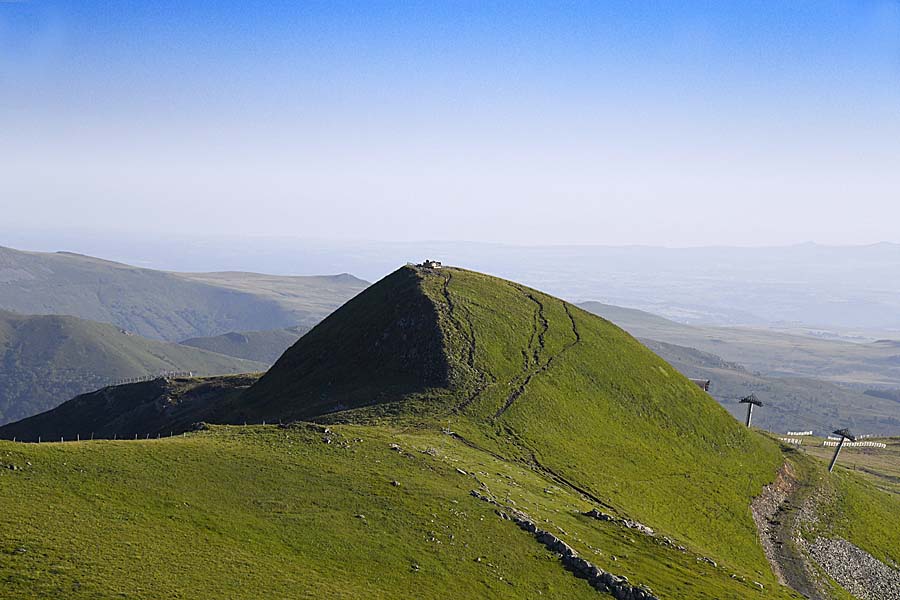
[{"x": 839, "y": 288}]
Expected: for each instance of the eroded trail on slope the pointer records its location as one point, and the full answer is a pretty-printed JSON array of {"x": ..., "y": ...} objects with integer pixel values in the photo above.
[
  {"x": 461, "y": 316},
  {"x": 776, "y": 514},
  {"x": 539, "y": 351}
]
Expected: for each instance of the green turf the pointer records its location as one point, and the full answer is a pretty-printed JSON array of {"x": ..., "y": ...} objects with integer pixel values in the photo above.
[
  {"x": 263, "y": 512},
  {"x": 482, "y": 384}
]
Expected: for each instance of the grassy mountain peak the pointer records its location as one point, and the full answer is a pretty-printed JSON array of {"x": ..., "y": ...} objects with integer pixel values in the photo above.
[
  {"x": 426, "y": 414},
  {"x": 522, "y": 374}
]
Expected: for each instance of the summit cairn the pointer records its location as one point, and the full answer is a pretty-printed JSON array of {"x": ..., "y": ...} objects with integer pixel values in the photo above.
[{"x": 430, "y": 264}]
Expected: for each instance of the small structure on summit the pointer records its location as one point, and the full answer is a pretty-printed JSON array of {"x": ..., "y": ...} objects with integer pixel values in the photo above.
[
  {"x": 750, "y": 401},
  {"x": 431, "y": 264},
  {"x": 845, "y": 435},
  {"x": 703, "y": 384}
]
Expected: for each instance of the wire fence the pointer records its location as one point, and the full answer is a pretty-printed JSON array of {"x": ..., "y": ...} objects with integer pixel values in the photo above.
[
  {"x": 128, "y": 437},
  {"x": 152, "y": 377}
]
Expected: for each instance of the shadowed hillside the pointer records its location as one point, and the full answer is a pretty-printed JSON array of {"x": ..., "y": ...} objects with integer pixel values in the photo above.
[{"x": 159, "y": 407}]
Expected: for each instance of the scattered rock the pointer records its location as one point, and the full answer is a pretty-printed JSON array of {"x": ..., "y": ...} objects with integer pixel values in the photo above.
[
  {"x": 630, "y": 524},
  {"x": 856, "y": 570},
  {"x": 580, "y": 567}
]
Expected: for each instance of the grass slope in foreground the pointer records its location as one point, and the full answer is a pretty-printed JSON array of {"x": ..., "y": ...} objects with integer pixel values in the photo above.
[
  {"x": 432, "y": 384},
  {"x": 263, "y": 512}
]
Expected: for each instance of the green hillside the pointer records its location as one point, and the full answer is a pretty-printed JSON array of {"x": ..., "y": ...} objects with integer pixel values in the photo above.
[
  {"x": 162, "y": 305},
  {"x": 457, "y": 430},
  {"x": 46, "y": 360},
  {"x": 259, "y": 346}
]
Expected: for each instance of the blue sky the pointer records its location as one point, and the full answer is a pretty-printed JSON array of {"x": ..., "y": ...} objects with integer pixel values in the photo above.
[{"x": 663, "y": 123}]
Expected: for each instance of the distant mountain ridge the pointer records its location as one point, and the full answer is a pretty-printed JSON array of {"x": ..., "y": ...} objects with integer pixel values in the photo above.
[
  {"x": 164, "y": 305},
  {"x": 260, "y": 346},
  {"x": 795, "y": 391},
  {"x": 769, "y": 352},
  {"x": 47, "y": 359}
]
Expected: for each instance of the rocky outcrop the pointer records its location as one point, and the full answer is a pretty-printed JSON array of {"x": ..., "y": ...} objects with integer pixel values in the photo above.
[
  {"x": 602, "y": 516},
  {"x": 856, "y": 570},
  {"x": 637, "y": 526}
]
